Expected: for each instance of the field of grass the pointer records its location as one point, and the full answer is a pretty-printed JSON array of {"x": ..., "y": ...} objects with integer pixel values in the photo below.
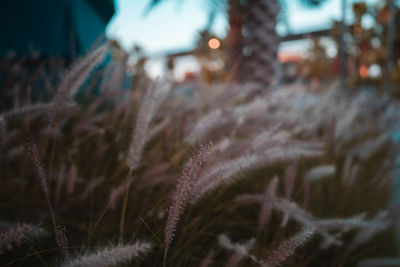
[{"x": 228, "y": 175}]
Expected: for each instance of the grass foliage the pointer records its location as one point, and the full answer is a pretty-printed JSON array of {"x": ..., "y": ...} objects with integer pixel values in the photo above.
[{"x": 227, "y": 175}]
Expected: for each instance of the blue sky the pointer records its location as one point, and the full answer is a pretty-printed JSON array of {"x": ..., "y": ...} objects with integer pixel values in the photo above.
[{"x": 168, "y": 26}]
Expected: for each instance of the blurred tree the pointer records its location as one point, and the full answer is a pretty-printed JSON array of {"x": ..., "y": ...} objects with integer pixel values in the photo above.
[
  {"x": 368, "y": 46},
  {"x": 317, "y": 64},
  {"x": 252, "y": 41}
]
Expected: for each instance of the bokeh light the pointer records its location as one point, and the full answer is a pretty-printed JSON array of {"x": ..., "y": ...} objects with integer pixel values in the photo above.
[{"x": 214, "y": 43}]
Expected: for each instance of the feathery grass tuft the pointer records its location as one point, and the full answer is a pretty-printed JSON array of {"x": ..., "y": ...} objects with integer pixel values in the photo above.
[
  {"x": 183, "y": 191},
  {"x": 265, "y": 212},
  {"x": 40, "y": 175},
  {"x": 39, "y": 170},
  {"x": 18, "y": 234},
  {"x": 36, "y": 109},
  {"x": 62, "y": 241},
  {"x": 220, "y": 173},
  {"x": 111, "y": 256},
  {"x": 320, "y": 172},
  {"x": 73, "y": 79},
  {"x": 203, "y": 126},
  {"x": 288, "y": 247},
  {"x": 239, "y": 250},
  {"x": 140, "y": 133}
]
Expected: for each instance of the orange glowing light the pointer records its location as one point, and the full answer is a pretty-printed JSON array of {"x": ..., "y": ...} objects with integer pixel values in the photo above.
[
  {"x": 214, "y": 43},
  {"x": 364, "y": 71}
]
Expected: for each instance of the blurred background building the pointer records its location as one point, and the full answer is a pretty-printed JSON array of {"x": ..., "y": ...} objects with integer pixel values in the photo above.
[
  {"x": 64, "y": 27},
  {"x": 41, "y": 38}
]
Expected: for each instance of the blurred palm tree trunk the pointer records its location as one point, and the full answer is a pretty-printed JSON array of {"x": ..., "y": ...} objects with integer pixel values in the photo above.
[
  {"x": 390, "y": 46},
  {"x": 253, "y": 41},
  {"x": 342, "y": 47},
  {"x": 235, "y": 41}
]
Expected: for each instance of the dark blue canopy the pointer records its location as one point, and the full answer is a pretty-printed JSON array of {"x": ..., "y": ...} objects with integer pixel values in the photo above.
[{"x": 52, "y": 27}]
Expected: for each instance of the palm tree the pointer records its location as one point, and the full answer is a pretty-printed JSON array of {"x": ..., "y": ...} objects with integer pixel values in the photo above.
[
  {"x": 252, "y": 39},
  {"x": 256, "y": 51}
]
